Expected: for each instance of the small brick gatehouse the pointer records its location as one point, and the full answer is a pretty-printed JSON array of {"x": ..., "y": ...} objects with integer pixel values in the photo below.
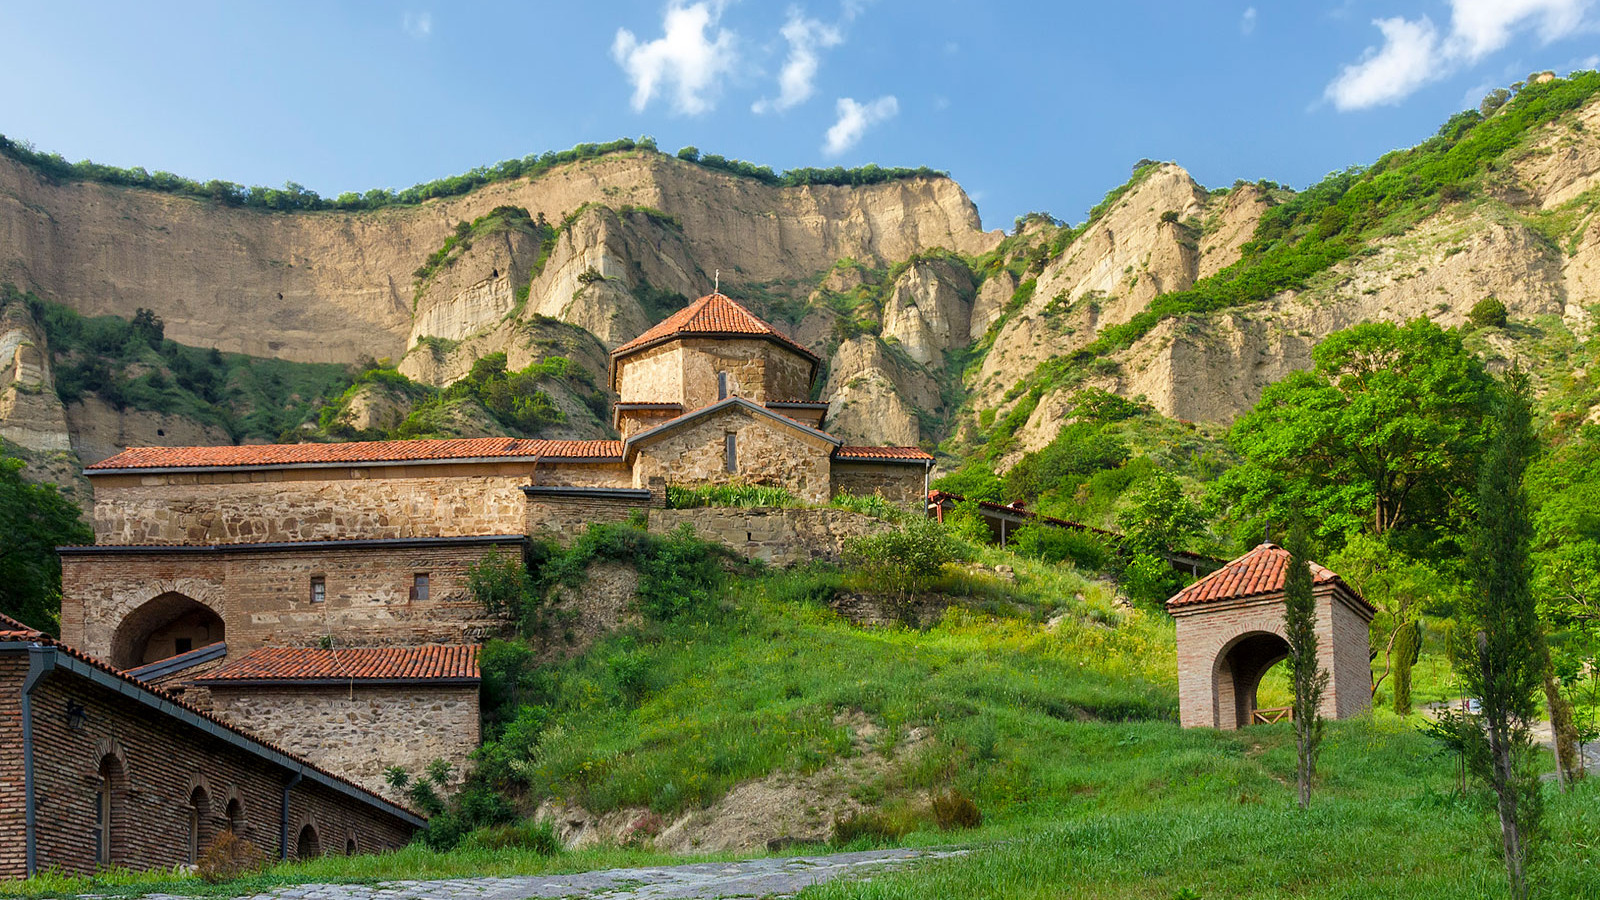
[{"x": 1230, "y": 632}]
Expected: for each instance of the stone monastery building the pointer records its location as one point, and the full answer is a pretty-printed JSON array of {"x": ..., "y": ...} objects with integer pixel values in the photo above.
[{"x": 316, "y": 592}]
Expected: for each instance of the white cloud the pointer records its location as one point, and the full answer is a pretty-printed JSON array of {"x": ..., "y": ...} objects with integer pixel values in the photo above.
[
  {"x": 684, "y": 57},
  {"x": 806, "y": 38},
  {"x": 418, "y": 25},
  {"x": 1415, "y": 53},
  {"x": 1247, "y": 22},
  {"x": 854, "y": 120}
]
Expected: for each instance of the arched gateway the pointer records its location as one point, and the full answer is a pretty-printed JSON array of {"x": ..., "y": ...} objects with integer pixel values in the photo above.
[{"x": 1230, "y": 632}]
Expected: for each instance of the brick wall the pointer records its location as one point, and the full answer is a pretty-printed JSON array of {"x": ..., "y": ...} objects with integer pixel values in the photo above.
[
  {"x": 13, "y": 851},
  {"x": 775, "y": 535},
  {"x": 360, "y": 730},
  {"x": 162, "y": 760},
  {"x": 769, "y": 453},
  {"x": 1207, "y": 631},
  {"x": 902, "y": 485},
  {"x": 264, "y": 597},
  {"x": 326, "y": 503}
]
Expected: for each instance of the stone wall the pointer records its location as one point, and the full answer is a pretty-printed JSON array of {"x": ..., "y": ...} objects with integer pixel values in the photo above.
[
  {"x": 685, "y": 371},
  {"x": 263, "y": 596},
  {"x": 783, "y": 536},
  {"x": 769, "y": 452},
  {"x": 360, "y": 730},
  {"x": 899, "y": 484},
  {"x": 162, "y": 761},
  {"x": 652, "y": 376},
  {"x": 564, "y": 515},
  {"x": 325, "y": 503}
]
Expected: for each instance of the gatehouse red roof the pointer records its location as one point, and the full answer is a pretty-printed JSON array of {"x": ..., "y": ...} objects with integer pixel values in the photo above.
[
  {"x": 713, "y": 314},
  {"x": 452, "y": 662},
  {"x": 1261, "y": 571},
  {"x": 356, "y": 452}
]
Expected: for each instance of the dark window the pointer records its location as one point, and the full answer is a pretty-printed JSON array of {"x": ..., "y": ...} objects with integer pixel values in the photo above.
[
  {"x": 730, "y": 447},
  {"x": 235, "y": 815},
  {"x": 350, "y": 845},
  {"x": 182, "y": 645},
  {"x": 199, "y": 805},
  {"x": 319, "y": 589},
  {"x": 722, "y": 385},
  {"x": 419, "y": 587},
  {"x": 105, "y": 811}
]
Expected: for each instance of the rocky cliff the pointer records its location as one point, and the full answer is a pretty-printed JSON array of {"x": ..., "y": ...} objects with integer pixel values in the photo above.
[{"x": 927, "y": 323}]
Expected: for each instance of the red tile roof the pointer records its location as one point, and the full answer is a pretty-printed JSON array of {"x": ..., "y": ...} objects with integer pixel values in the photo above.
[
  {"x": 906, "y": 453},
  {"x": 356, "y": 452},
  {"x": 454, "y": 662},
  {"x": 13, "y": 631},
  {"x": 1261, "y": 571},
  {"x": 713, "y": 314}
]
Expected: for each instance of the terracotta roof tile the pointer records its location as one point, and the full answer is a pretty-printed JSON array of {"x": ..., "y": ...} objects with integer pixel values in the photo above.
[
  {"x": 883, "y": 453},
  {"x": 353, "y": 664},
  {"x": 713, "y": 314},
  {"x": 356, "y": 452},
  {"x": 13, "y": 631},
  {"x": 1261, "y": 571}
]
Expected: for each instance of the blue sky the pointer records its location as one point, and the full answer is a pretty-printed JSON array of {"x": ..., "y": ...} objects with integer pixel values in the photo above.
[{"x": 1031, "y": 106}]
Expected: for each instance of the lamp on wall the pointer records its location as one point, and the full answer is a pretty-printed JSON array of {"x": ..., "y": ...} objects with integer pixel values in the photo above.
[{"x": 77, "y": 716}]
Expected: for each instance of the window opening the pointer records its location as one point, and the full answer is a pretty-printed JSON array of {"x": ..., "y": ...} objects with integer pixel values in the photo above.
[
  {"x": 722, "y": 385},
  {"x": 182, "y": 645},
  {"x": 319, "y": 589},
  {"x": 419, "y": 587},
  {"x": 730, "y": 447}
]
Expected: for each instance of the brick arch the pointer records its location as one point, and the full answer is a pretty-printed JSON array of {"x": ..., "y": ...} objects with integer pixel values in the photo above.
[
  {"x": 1237, "y": 670},
  {"x": 110, "y": 747},
  {"x": 134, "y": 630},
  {"x": 308, "y": 838}
]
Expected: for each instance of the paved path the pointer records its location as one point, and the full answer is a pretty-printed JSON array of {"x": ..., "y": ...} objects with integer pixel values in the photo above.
[{"x": 782, "y": 876}]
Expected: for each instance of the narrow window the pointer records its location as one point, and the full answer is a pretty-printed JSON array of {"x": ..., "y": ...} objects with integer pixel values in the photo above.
[
  {"x": 350, "y": 845},
  {"x": 235, "y": 815},
  {"x": 199, "y": 808},
  {"x": 730, "y": 447},
  {"x": 319, "y": 589},
  {"x": 419, "y": 588},
  {"x": 722, "y": 385},
  {"x": 105, "y": 809},
  {"x": 182, "y": 645}
]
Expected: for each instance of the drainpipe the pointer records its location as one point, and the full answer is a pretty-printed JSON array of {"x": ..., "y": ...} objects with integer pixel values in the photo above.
[
  {"x": 283, "y": 827},
  {"x": 40, "y": 661}
]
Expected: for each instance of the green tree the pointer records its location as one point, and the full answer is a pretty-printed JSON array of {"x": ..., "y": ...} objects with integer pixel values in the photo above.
[
  {"x": 1383, "y": 434},
  {"x": 1309, "y": 678},
  {"x": 1500, "y": 654},
  {"x": 1162, "y": 519},
  {"x": 38, "y": 519}
]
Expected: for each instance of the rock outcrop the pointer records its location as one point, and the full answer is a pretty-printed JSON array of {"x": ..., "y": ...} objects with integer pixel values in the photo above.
[{"x": 30, "y": 412}]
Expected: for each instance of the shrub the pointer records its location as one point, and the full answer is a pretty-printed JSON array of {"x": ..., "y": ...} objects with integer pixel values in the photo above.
[
  {"x": 229, "y": 857},
  {"x": 499, "y": 582},
  {"x": 1061, "y": 545},
  {"x": 874, "y": 826},
  {"x": 904, "y": 560},
  {"x": 1488, "y": 312},
  {"x": 1149, "y": 580},
  {"x": 954, "y": 809}
]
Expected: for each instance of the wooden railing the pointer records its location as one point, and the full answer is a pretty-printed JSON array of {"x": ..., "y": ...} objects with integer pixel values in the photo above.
[{"x": 1272, "y": 715}]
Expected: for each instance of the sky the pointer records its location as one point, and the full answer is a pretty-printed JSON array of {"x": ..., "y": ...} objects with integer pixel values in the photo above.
[{"x": 1030, "y": 106}]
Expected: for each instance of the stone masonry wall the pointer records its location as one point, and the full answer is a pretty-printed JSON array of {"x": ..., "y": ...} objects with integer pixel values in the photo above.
[
  {"x": 899, "y": 484},
  {"x": 563, "y": 518},
  {"x": 757, "y": 370},
  {"x": 162, "y": 762},
  {"x": 359, "y": 731},
  {"x": 768, "y": 453},
  {"x": 783, "y": 536},
  {"x": 652, "y": 376},
  {"x": 325, "y": 504},
  {"x": 264, "y": 597}
]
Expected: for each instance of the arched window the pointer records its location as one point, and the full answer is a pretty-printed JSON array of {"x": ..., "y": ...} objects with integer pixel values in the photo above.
[
  {"x": 199, "y": 810},
  {"x": 308, "y": 846},
  {"x": 107, "y": 793},
  {"x": 235, "y": 814},
  {"x": 350, "y": 845}
]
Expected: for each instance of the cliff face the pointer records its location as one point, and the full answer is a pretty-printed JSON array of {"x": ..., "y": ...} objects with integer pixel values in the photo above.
[
  {"x": 918, "y": 343},
  {"x": 330, "y": 287}
]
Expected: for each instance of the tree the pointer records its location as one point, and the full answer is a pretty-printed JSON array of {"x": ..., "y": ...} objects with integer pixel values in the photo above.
[
  {"x": 1501, "y": 653},
  {"x": 38, "y": 519},
  {"x": 1488, "y": 313},
  {"x": 1403, "y": 589},
  {"x": 1161, "y": 518},
  {"x": 1309, "y": 678},
  {"x": 1382, "y": 435}
]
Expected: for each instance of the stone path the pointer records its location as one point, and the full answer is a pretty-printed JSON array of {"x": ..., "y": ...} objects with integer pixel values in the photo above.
[{"x": 696, "y": 881}]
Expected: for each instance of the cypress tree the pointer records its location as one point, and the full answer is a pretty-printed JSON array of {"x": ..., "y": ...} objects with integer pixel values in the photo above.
[
  {"x": 1407, "y": 647},
  {"x": 1309, "y": 678},
  {"x": 1501, "y": 652}
]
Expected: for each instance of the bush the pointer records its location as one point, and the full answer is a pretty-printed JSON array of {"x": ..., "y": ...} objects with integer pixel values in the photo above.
[
  {"x": 499, "y": 582},
  {"x": 1488, "y": 313},
  {"x": 1150, "y": 581},
  {"x": 874, "y": 826},
  {"x": 904, "y": 560},
  {"x": 954, "y": 809},
  {"x": 1054, "y": 544},
  {"x": 228, "y": 858},
  {"x": 728, "y": 495}
]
